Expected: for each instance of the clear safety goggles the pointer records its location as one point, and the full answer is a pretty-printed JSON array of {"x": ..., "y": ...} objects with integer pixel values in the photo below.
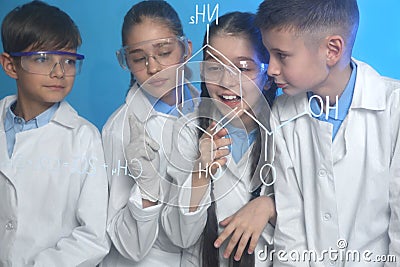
[
  {"x": 214, "y": 71},
  {"x": 44, "y": 62},
  {"x": 165, "y": 51}
]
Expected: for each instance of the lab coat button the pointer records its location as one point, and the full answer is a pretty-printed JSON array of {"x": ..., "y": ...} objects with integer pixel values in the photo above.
[
  {"x": 332, "y": 262},
  {"x": 10, "y": 225},
  {"x": 322, "y": 173},
  {"x": 327, "y": 216}
]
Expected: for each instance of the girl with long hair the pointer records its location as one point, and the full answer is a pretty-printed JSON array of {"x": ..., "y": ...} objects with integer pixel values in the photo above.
[{"x": 221, "y": 152}]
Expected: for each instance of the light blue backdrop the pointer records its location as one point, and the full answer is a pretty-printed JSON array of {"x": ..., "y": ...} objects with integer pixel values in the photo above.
[{"x": 102, "y": 85}]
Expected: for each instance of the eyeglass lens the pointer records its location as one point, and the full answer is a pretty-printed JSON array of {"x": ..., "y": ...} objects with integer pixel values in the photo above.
[
  {"x": 44, "y": 64},
  {"x": 165, "y": 52},
  {"x": 214, "y": 71}
]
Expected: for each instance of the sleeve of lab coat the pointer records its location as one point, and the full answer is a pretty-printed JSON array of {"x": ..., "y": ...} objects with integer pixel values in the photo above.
[
  {"x": 290, "y": 226},
  {"x": 132, "y": 229},
  {"x": 394, "y": 191},
  {"x": 268, "y": 233},
  {"x": 87, "y": 244},
  {"x": 184, "y": 228}
]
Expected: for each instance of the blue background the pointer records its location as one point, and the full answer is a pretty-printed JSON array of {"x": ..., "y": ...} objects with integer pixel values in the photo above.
[{"x": 102, "y": 84}]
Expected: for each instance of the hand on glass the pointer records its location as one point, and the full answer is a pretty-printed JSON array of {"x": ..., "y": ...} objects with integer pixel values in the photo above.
[{"x": 246, "y": 225}]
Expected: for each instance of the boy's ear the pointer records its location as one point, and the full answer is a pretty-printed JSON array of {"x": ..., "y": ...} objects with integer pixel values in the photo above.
[
  {"x": 8, "y": 65},
  {"x": 335, "y": 48}
]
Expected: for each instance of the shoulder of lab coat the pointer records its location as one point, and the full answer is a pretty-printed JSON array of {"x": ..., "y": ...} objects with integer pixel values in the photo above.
[
  {"x": 87, "y": 244},
  {"x": 372, "y": 93},
  {"x": 394, "y": 186},
  {"x": 132, "y": 229}
]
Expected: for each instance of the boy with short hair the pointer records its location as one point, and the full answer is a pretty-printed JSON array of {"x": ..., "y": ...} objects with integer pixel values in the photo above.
[
  {"x": 337, "y": 139},
  {"x": 53, "y": 192}
]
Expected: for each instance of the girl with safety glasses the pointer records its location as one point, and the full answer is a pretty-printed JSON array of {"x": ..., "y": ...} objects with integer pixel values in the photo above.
[
  {"x": 137, "y": 136},
  {"x": 222, "y": 154}
]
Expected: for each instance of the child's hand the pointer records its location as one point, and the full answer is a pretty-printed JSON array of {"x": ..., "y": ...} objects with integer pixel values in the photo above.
[
  {"x": 143, "y": 159},
  {"x": 213, "y": 151},
  {"x": 247, "y": 223}
]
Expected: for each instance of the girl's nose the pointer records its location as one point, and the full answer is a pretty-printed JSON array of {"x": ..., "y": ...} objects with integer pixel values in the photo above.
[
  {"x": 153, "y": 66},
  {"x": 230, "y": 77}
]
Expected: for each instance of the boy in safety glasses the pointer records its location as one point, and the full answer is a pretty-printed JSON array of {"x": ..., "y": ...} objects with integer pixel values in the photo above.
[{"x": 53, "y": 192}]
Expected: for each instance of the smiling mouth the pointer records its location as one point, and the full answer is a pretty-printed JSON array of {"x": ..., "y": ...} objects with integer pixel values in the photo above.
[
  {"x": 230, "y": 97},
  {"x": 230, "y": 100}
]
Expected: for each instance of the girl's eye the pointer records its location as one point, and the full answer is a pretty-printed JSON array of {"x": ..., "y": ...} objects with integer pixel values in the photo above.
[
  {"x": 138, "y": 60},
  {"x": 214, "y": 68},
  {"x": 164, "y": 53},
  {"x": 244, "y": 69}
]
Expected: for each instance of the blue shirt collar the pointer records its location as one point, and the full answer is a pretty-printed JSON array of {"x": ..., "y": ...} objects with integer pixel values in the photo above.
[
  {"x": 239, "y": 131},
  {"x": 241, "y": 141},
  {"x": 39, "y": 121},
  {"x": 162, "y": 107},
  {"x": 344, "y": 102}
]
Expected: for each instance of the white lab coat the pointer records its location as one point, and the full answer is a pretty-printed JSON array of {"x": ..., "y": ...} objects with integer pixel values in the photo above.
[
  {"x": 135, "y": 233},
  {"x": 344, "y": 193},
  {"x": 231, "y": 191},
  {"x": 53, "y": 193}
]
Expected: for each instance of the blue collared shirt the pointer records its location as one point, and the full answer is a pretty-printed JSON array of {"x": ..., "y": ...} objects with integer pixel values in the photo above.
[
  {"x": 14, "y": 124},
  {"x": 342, "y": 106},
  {"x": 161, "y": 106},
  {"x": 241, "y": 141}
]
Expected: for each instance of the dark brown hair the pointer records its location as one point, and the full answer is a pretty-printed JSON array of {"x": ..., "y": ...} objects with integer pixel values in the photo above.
[
  {"x": 311, "y": 16},
  {"x": 39, "y": 26}
]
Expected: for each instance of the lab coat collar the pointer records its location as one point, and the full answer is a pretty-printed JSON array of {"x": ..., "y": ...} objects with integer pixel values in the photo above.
[
  {"x": 239, "y": 169},
  {"x": 369, "y": 93},
  {"x": 137, "y": 100},
  {"x": 292, "y": 106},
  {"x": 143, "y": 109},
  {"x": 65, "y": 114},
  {"x": 5, "y": 165},
  {"x": 4, "y": 104},
  {"x": 242, "y": 169}
]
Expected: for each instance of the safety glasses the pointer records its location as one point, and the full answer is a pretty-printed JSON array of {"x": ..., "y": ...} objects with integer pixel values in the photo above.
[
  {"x": 214, "y": 71},
  {"x": 44, "y": 62},
  {"x": 165, "y": 51}
]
